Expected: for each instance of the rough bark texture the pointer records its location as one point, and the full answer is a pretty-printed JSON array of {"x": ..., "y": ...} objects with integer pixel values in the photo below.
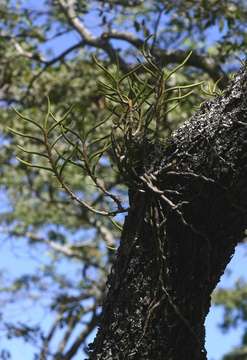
[{"x": 187, "y": 215}]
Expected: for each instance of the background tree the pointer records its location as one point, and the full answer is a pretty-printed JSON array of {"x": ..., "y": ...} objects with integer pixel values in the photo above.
[
  {"x": 234, "y": 303},
  {"x": 39, "y": 215}
]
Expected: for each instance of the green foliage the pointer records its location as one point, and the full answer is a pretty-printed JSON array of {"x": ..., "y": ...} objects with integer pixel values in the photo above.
[
  {"x": 234, "y": 302},
  {"x": 44, "y": 53},
  {"x": 137, "y": 108}
]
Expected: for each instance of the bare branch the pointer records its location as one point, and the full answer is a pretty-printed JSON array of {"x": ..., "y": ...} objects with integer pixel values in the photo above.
[
  {"x": 27, "y": 54},
  {"x": 164, "y": 57},
  {"x": 68, "y": 8},
  {"x": 82, "y": 337},
  {"x": 51, "y": 62},
  {"x": 45, "y": 348},
  {"x": 71, "y": 326},
  {"x": 73, "y": 251},
  {"x": 125, "y": 36}
]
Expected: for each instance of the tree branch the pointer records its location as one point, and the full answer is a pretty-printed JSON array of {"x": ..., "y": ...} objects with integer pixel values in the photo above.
[
  {"x": 177, "y": 56},
  {"x": 68, "y": 8},
  {"x": 154, "y": 305},
  {"x": 51, "y": 62},
  {"x": 73, "y": 251},
  {"x": 164, "y": 57},
  {"x": 82, "y": 337},
  {"x": 27, "y": 54},
  {"x": 48, "y": 338},
  {"x": 126, "y": 3}
]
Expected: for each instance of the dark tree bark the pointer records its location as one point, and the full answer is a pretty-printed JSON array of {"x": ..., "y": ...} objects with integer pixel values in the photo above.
[{"x": 187, "y": 215}]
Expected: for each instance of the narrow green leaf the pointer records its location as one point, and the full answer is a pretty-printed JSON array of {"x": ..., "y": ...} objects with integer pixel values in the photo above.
[
  {"x": 171, "y": 108},
  {"x": 181, "y": 87},
  {"x": 116, "y": 224},
  {"x": 106, "y": 72},
  {"x": 48, "y": 112},
  {"x": 27, "y": 119},
  {"x": 128, "y": 74},
  {"x": 99, "y": 151},
  {"x": 25, "y": 135},
  {"x": 34, "y": 166},
  {"x": 31, "y": 152},
  {"x": 66, "y": 160},
  {"x": 98, "y": 140},
  {"x": 97, "y": 126},
  {"x": 178, "y": 67},
  {"x": 149, "y": 70},
  {"x": 180, "y": 97},
  {"x": 56, "y": 140},
  {"x": 111, "y": 248},
  {"x": 59, "y": 122},
  {"x": 105, "y": 86}
]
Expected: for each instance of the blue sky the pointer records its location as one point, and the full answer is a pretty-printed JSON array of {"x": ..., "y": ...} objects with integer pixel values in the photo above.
[
  {"x": 218, "y": 344},
  {"x": 17, "y": 261}
]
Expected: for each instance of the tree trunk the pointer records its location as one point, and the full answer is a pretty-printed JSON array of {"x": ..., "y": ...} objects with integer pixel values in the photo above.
[{"x": 186, "y": 217}]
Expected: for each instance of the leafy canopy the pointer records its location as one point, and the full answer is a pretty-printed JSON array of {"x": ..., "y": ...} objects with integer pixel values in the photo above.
[{"x": 47, "y": 49}]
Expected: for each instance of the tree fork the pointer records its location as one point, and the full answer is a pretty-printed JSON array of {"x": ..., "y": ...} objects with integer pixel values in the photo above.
[{"x": 186, "y": 217}]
